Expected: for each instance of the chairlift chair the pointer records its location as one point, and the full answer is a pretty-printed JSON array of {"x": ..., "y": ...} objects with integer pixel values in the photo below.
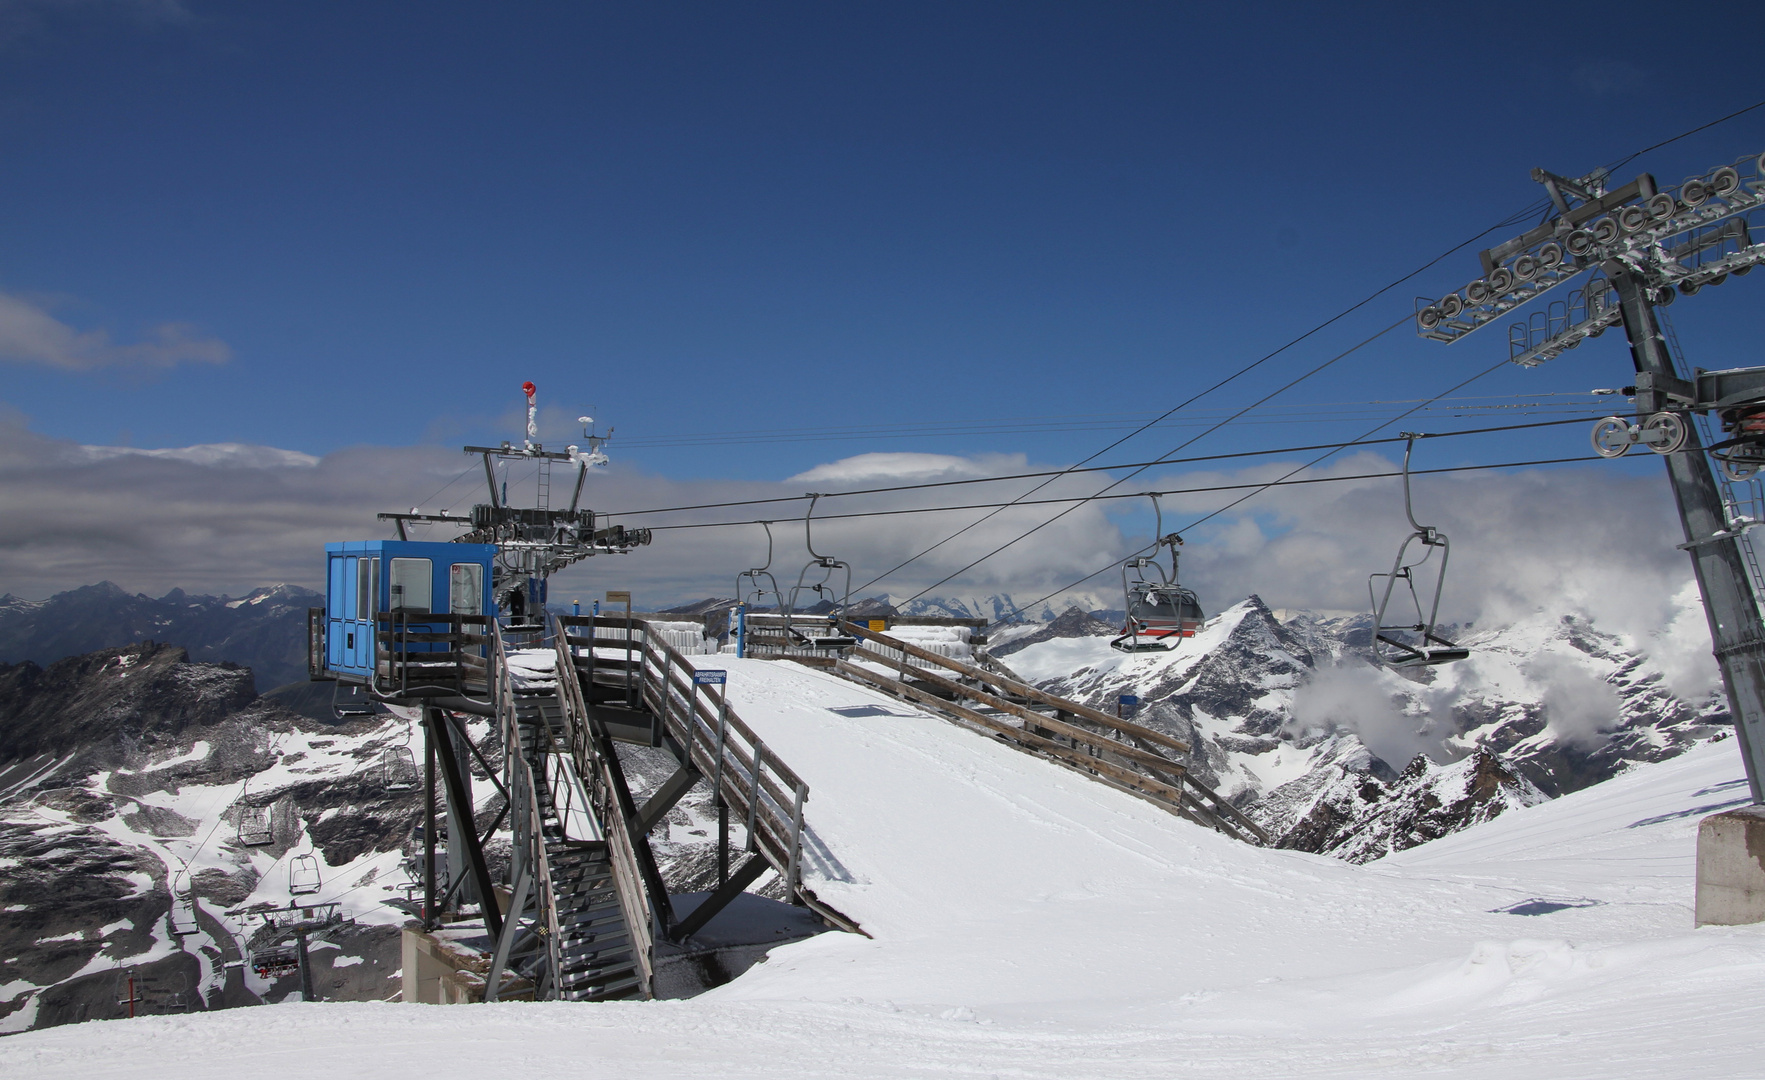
[
  {"x": 303, "y": 876},
  {"x": 254, "y": 828},
  {"x": 1415, "y": 644},
  {"x": 178, "y": 1000},
  {"x": 748, "y": 585},
  {"x": 1161, "y": 612},
  {"x": 183, "y": 909},
  {"x": 398, "y": 766},
  {"x": 832, "y": 639}
]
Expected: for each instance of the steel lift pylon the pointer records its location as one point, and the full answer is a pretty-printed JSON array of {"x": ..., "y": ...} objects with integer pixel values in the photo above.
[{"x": 1642, "y": 245}]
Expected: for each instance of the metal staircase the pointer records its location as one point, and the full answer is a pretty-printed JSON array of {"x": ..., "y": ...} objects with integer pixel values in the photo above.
[
  {"x": 572, "y": 932},
  {"x": 594, "y": 942},
  {"x": 587, "y": 903}
]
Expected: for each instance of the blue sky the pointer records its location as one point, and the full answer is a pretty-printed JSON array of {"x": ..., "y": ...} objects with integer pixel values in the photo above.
[{"x": 333, "y": 225}]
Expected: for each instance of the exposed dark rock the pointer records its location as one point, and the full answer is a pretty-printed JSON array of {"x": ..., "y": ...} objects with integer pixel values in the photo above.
[
  {"x": 142, "y": 695},
  {"x": 1363, "y": 820}
]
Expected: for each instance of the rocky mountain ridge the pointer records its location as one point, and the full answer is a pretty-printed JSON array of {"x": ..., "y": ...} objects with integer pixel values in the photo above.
[
  {"x": 126, "y": 779},
  {"x": 1290, "y": 720},
  {"x": 264, "y": 630}
]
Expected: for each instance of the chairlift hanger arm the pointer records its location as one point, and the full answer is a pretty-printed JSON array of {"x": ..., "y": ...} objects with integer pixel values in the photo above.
[{"x": 808, "y": 534}]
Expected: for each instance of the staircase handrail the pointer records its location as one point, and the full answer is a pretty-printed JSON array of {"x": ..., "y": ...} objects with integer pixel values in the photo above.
[
  {"x": 528, "y": 830},
  {"x": 1024, "y": 690},
  {"x": 747, "y": 774},
  {"x": 588, "y": 751}
]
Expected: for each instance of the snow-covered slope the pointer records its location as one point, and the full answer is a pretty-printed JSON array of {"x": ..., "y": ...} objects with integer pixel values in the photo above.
[{"x": 1028, "y": 922}]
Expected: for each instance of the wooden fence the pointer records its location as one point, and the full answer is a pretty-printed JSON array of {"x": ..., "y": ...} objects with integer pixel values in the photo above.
[{"x": 1116, "y": 751}]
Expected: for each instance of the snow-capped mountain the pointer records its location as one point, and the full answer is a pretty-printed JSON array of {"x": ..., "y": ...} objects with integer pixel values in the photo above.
[
  {"x": 1291, "y": 721},
  {"x": 264, "y": 630},
  {"x": 992, "y": 608},
  {"x": 124, "y": 778}
]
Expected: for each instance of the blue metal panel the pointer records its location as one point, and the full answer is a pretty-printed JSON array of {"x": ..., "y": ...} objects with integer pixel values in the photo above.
[{"x": 350, "y": 624}]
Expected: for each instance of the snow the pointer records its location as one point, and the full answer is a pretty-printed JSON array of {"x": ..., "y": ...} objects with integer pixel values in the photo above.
[
  {"x": 1090, "y": 661},
  {"x": 1027, "y": 921},
  {"x": 1059, "y": 657},
  {"x": 197, "y": 752}
]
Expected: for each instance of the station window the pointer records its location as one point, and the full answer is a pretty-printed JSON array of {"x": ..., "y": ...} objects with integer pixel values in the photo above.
[
  {"x": 465, "y": 583},
  {"x": 367, "y": 593},
  {"x": 412, "y": 580}
]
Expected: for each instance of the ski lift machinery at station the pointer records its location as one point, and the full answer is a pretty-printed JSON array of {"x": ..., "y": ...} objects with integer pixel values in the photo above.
[{"x": 1161, "y": 612}]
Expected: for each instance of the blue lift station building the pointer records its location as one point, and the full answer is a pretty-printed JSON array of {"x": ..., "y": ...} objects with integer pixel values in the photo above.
[{"x": 364, "y": 577}]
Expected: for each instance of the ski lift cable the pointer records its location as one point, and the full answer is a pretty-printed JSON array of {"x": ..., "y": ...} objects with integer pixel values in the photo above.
[
  {"x": 1235, "y": 375},
  {"x": 1487, "y": 371},
  {"x": 1332, "y": 410},
  {"x": 1244, "y": 370},
  {"x": 244, "y": 785},
  {"x": 1256, "y": 486},
  {"x": 1518, "y": 216},
  {"x": 1621, "y": 162},
  {"x": 1279, "y": 481},
  {"x": 1088, "y": 469},
  {"x": 1364, "y": 342},
  {"x": 443, "y": 489}
]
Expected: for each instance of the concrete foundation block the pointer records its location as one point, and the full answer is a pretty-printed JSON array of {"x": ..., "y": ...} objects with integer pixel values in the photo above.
[{"x": 1731, "y": 868}]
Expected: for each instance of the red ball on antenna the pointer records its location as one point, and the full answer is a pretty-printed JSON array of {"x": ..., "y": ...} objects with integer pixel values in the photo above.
[{"x": 528, "y": 388}]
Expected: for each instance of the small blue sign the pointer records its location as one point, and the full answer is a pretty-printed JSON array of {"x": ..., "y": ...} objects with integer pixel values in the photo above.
[
  {"x": 710, "y": 678},
  {"x": 1129, "y": 699}
]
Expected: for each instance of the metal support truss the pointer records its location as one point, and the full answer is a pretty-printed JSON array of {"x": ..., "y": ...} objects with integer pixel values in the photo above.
[
  {"x": 1685, "y": 237},
  {"x": 454, "y": 781}
]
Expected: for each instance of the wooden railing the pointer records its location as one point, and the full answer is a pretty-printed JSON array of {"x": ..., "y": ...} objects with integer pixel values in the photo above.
[
  {"x": 597, "y": 764},
  {"x": 745, "y": 774},
  {"x": 408, "y": 662},
  {"x": 1117, "y": 751},
  {"x": 768, "y": 635}
]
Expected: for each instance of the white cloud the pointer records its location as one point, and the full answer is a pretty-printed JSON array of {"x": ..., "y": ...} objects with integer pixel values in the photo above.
[
  {"x": 1578, "y": 703},
  {"x": 1586, "y": 541},
  {"x": 907, "y": 468},
  {"x": 30, "y": 335},
  {"x": 236, "y": 455},
  {"x": 1363, "y": 699}
]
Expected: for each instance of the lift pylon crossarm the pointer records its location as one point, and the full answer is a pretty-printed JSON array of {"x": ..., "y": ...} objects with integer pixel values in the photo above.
[
  {"x": 1682, "y": 237},
  {"x": 1425, "y": 646}
]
